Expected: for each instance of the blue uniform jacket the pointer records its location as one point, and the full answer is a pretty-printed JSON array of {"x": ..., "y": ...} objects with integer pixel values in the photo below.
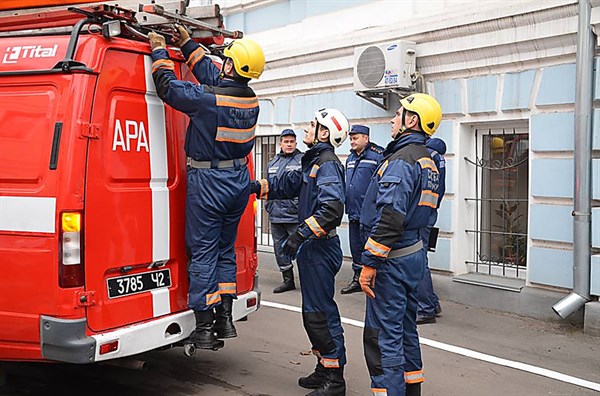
[
  {"x": 359, "y": 169},
  {"x": 223, "y": 112},
  {"x": 283, "y": 210},
  {"x": 437, "y": 149},
  {"x": 402, "y": 196},
  {"x": 320, "y": 187}
]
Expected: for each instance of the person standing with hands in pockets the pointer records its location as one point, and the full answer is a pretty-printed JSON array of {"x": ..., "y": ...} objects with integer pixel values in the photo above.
[{"x": 402, "y": 196}]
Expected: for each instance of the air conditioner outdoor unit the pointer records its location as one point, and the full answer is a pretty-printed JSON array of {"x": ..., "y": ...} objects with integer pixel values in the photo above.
[{"x": 384, "y": 66}]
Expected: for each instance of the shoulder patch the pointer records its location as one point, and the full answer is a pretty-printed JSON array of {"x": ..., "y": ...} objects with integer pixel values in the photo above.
[{"x": 377, "y": 149}]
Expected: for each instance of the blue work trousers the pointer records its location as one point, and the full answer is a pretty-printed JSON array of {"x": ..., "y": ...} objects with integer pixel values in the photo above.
[
  {"x": 280, "y": 233},
  {"x": 426, "y": 297},
  {"x": 319, "y": 260},
  {"x": 216, "y": 200},
  {"x": 390, "y": 338},
  {"x": 357, "y": 243}
]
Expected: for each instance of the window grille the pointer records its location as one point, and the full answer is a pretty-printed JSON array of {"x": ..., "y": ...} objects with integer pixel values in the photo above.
[{"x": 502, "y": 202}]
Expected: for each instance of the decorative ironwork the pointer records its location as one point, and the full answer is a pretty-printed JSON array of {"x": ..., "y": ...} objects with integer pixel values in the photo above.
[{"x": 502, "y": 204}]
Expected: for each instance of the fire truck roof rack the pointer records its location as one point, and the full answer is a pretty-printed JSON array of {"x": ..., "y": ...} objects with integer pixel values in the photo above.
[{"x": 205, "y": 24}]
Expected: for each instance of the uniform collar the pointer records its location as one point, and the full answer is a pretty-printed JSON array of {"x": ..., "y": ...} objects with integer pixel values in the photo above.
[
  {"x": 405, "y": 140},
  {"x": 315, "y": 151},
  {"x": 228, "y": 82}
]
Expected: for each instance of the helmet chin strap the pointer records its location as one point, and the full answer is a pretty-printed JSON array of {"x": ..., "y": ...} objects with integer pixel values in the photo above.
[
  {"x": 403, "y": 127},
  {"x": 316, "y": 138}
]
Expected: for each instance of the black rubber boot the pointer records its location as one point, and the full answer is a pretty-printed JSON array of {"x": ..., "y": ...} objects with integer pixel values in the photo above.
[
  {"x": 288, "y": 282},
  {"x": 315, "y": 379},
  {"x": 204, "y": 337},
  {"x": 224, "y": 319},
  {"x": 413, "y": 389},
  {"x": 354, "y": 285},
  {"x": 334, "y": 384}
]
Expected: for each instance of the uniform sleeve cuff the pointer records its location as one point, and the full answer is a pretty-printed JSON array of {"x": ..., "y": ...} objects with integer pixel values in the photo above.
[
  {"x": 370, "y": 261},
  {"x": 159, "y": 53},
  {"x": 188, "y": 47}
]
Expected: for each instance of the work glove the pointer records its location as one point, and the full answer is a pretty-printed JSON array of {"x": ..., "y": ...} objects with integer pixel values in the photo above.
[
  {"x": 292, "y": 244},
  {"x": 180, "y": 36},
  {"x": 157, "y": 41},
  {"x": 367, "y": 280},
  {"x": 254, "y": 187}
]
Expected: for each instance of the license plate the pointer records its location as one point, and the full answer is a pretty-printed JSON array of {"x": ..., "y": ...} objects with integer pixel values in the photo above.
[{"x": 139, "y": 283}]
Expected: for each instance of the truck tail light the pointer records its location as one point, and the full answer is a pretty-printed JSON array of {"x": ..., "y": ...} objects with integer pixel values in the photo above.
[
  {"x": 109, "y": 347},
  {"x": 70, "y": 273}
]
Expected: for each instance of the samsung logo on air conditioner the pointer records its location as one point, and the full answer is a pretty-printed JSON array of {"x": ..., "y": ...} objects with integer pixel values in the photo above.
[{"x": 392, "y": 47}]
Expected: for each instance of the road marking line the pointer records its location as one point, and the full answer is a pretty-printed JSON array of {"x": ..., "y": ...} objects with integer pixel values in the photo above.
[{"x": 470, "y": 353}]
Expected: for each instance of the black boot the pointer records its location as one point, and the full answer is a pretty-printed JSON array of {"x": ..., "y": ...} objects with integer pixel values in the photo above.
[
  {"x": 314, "y": 380},
  {"x": 334, "y": 384},
  {"x": 413, "y": 389},
  {"x": 288, "y": 282},
  {"x": 354, "y": 285},
  {"x": 224, "y": 320},
  {"x": 204, "y": 337}
]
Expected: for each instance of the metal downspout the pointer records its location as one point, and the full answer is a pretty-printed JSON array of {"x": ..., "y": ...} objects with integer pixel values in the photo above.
[{"x": 583, "y": 166}]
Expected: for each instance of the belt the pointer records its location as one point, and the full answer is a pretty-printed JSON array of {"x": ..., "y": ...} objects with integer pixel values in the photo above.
[
  {"x": 405, "y": 251},
  {"x": 216, "y": 164},
  {"x": 329, "y": 235}
]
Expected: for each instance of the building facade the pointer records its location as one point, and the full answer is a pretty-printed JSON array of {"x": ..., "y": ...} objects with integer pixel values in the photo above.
[{"x": 504, "y": 74}]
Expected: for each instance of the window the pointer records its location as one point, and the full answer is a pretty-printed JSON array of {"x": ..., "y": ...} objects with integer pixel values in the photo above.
[{"x": 502, "y": 202}]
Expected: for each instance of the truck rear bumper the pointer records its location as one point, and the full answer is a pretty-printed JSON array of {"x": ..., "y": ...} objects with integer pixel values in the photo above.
[{"x": 66, "y": 340}]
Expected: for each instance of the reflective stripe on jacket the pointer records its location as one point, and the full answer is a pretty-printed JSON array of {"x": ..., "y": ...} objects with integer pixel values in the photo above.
[
  {"x": 402, "y": 196},
  {"x": 359, "y": 169},
  {"x": 223, "y": 112}
]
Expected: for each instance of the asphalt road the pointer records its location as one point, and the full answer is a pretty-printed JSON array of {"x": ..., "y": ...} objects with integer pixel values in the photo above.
[{"x": 271, "y": 352}]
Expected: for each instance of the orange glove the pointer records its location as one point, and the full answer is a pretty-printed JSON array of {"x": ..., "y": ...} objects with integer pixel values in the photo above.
[{"x": 367, "y": 280}]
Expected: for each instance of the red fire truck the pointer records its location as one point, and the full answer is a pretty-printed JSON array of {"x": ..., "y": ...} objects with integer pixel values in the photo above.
[{"x": 92, "y": 193}]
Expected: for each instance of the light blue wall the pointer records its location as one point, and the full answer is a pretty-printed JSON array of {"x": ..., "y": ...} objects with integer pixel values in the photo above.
[
  {"x": 448, "y": 94},
  {"x": 444, "y": 220},
  {"x": 282, "y": 110},
  {"x": 449, "y": 171},
  {"x": 346, "y": 101},
  {"x": 552, "y": 178},
  {"x": 595, "y": 275},
  {"x": 440, "y": 259},
  {"x": 444, "y": 132},
  {"x": 481, "y": 94},
  {"x": 596, "y": 227},
  {"x": 551, "y": 222},
  {"x": 550, "y": 267},
  {"x": 596, "y": 178},
  {"x": 596, "y": 128},
  {"x": 265, "y": 115},
  {"x": 517, "y": 90},
  {"x": 597, "y": 86},
  {"x": 282, "y": 13},
  {"x": 557, "y": 86},
  {"x": 552, "y": 131}
]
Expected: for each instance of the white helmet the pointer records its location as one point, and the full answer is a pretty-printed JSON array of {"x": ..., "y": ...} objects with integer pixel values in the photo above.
[{"x": 336, "y": 122}]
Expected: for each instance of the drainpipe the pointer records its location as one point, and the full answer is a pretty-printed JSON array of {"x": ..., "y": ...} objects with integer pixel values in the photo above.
[{"x": 583, "y": 168}]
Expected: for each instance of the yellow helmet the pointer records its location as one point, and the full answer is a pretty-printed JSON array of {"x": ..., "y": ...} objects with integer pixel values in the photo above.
[
  {"x": 248, "y": 58},
  {"x": 428, "y": 109}
]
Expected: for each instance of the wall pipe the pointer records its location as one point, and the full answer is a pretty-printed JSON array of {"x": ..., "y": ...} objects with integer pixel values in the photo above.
[{"x": 583, "y": 166}]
